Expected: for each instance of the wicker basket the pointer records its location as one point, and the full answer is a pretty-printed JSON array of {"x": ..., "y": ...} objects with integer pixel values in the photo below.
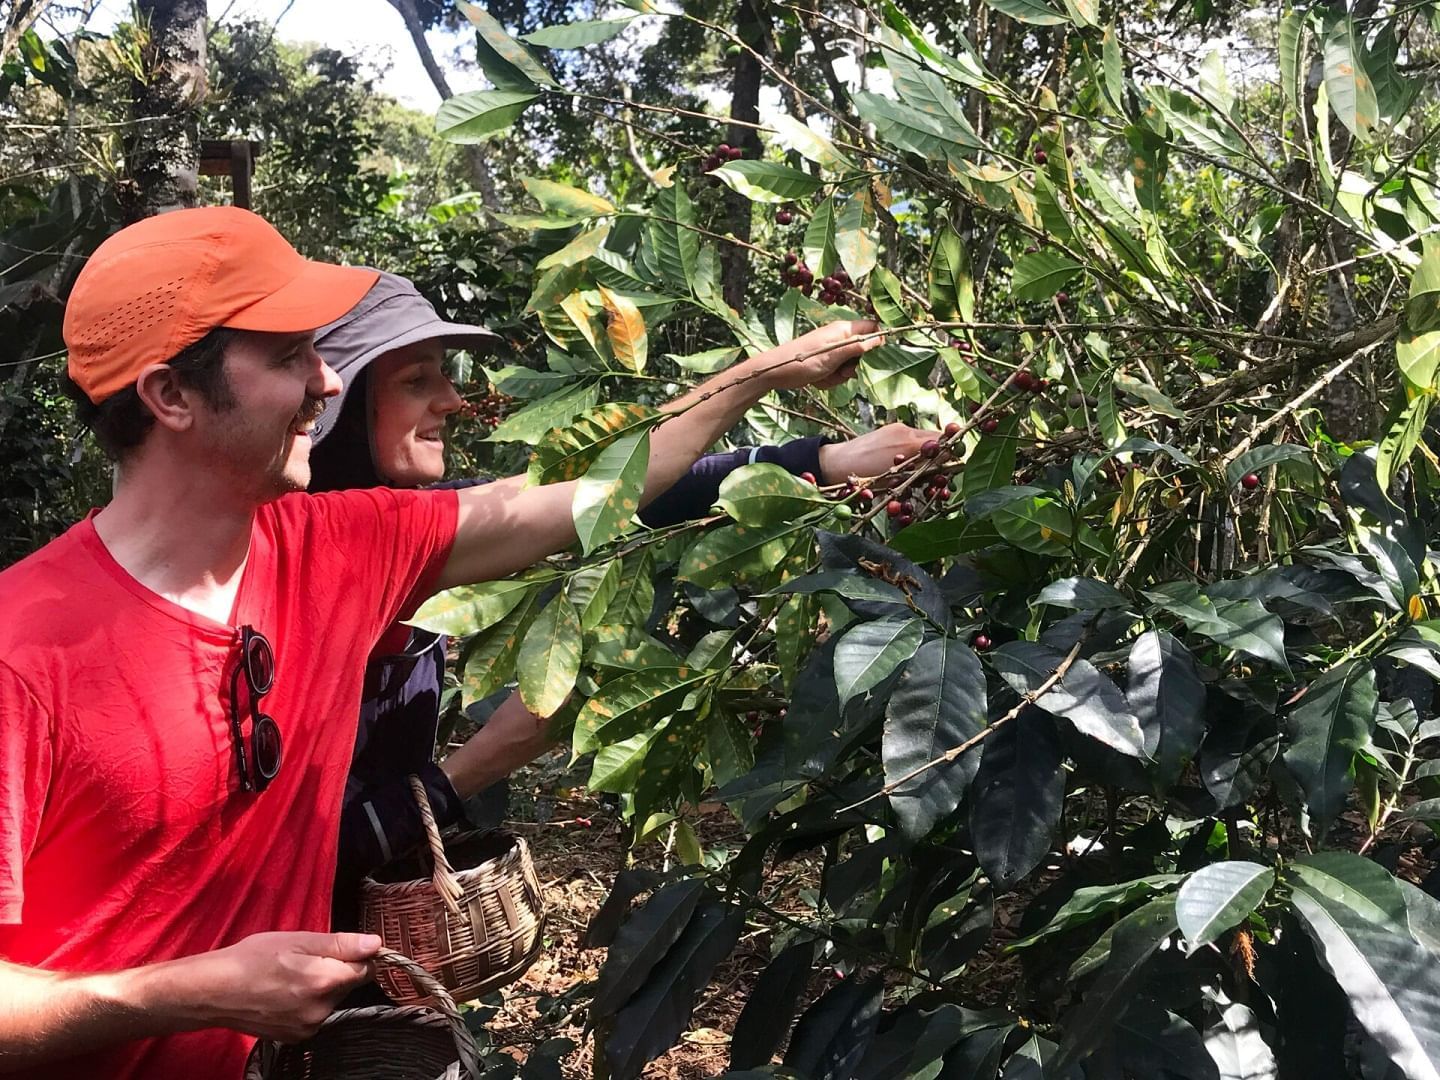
[
  {"x": 380, "y": 1042},
  {"x": 473, "y": 929}
]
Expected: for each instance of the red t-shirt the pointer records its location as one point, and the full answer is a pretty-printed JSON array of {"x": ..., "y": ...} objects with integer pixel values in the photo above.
[{"x": 124, "y": 836}]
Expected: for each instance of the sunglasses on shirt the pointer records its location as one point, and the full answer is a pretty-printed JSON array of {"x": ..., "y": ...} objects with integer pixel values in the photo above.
[{"x": 257, "y": 665}]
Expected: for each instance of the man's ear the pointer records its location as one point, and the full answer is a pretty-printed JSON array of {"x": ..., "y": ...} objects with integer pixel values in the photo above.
[{"x": 172, "y": 404}]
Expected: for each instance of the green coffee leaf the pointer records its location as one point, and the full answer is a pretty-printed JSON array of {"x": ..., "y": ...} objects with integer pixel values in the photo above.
[
  {"x": 549, "y": 659},
  {"x": 474, "y": 116},
  {"x": 1332, "y": 722},
  {"x": 869, "y": 652},
  {"x": 765, "y": 494},
  {"x": 1040, "y": 275},
  {"x": 1219, "y": 896},
  {"x": 577, "y": 35},
  {"x": 766, "y": 182},
  {"x": 507, "y": 63},
  {"x": 1035, "y": 12},
  {"x": 938, "y": 704},
  {"x": 608, "y": 495},
  {"x": 854, "y": 238}
]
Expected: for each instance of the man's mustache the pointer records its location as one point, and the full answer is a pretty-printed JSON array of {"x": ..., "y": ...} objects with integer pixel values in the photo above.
[{"x": 311, "y": 410}]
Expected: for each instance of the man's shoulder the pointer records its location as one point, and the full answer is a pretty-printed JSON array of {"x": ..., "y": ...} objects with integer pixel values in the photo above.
[
  {"x": 48, "y": 571},
  {"x": 52, "y": 591}
]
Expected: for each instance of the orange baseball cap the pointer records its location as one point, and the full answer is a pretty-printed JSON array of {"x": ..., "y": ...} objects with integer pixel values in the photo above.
[{"x": 162, "y": 284}]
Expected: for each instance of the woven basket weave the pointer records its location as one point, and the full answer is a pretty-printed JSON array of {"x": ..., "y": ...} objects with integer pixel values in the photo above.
[
  {"x": 474, "y": 928},
  {"x": 380, "y": 1042}
]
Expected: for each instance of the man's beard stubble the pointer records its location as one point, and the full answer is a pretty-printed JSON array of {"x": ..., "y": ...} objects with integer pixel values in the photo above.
[{"x": 278, "y": 474}]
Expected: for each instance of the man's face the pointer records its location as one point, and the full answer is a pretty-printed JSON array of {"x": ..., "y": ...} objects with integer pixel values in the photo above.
[{"x": 278, "y": 386}]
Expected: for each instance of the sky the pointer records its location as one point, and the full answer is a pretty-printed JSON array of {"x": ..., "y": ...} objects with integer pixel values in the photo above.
[
  {"x": 374, "y": 31},
  {"x": 371, "y": 29}
]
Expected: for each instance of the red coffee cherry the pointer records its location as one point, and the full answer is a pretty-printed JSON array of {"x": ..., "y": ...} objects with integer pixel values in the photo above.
[
  {"x": 894, "y": 508},
  {"x": 1250, "y": 481},
  {"x": 989, "y": 426},
  {"x": 981, "y": 641}
]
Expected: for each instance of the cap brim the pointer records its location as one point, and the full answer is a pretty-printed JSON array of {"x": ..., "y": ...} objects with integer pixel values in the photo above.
[{"x": 319, "y": 294}]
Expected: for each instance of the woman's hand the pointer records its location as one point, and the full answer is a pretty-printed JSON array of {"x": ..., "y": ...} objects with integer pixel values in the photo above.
[
  {"x": 823, "y": 358},
  {"x": 872, "y": 453}
]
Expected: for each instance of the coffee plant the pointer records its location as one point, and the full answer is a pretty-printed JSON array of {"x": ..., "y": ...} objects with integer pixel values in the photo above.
[{"x": 1108, "y": 717}]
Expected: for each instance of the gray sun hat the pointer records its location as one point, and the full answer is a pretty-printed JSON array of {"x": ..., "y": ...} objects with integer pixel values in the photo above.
[{"x": 390, "y": 316}]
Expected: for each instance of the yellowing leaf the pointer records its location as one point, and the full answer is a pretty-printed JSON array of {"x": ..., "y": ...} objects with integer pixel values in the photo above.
[
  {"x": 625, "y": 327},
  {"x": 578, "y": 250},
  {"x": 806, "y": 141},
  {"x": 664, "y": 176},
  {"x": 579, "y": 312},
  {"x": 564, "y": 199}
]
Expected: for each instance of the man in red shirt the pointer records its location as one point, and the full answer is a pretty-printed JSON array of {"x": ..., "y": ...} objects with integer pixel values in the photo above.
[{"x": 179, "y": 672}]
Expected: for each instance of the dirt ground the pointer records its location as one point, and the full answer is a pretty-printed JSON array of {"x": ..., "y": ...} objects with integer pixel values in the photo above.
[{"x": 578, "y": 847}]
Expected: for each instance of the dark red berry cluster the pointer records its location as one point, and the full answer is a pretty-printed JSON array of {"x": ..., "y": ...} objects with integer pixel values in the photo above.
[
  {"x": 785, "y": 215},
  {"x": 935, "y": 488},
  {"x": 933, "y": 484},
  {"x": 489, "y": 408},
  {"x": 1026, "y": 383},
  {"x": 720, "y": 155},
  {"x": 796, "y": 274},
  {"x": 834, "y": 288}
]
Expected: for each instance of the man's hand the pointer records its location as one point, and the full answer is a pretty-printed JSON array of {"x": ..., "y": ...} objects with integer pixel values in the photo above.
[
  {"x": 823, "y": 358},
  {"x": 279, "y": 986},
  {"x": 872, "y": 453}
]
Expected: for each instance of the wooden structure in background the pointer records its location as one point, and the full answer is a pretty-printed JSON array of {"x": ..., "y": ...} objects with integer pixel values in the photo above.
[{"x": 232, "y": 157}]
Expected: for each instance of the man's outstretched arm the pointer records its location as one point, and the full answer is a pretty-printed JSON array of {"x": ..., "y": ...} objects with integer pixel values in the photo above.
[
  {"x": 277, "y": 986},
  {"x": 506, "y": 526}
]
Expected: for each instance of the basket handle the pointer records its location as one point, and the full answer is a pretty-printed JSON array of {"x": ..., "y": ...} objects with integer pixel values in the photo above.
[
  {"x": 465, "y": 1044},
  {"x": 443, "y": 875}
]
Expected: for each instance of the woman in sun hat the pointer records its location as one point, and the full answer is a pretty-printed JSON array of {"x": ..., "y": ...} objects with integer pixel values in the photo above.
[{"x": 387, "y": 428}]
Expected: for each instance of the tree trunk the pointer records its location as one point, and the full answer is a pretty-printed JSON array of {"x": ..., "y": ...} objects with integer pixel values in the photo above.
[
  {"x": 751, "y": 27},
  {"x": 163, "y": 155},
  {"x": 20, "y": 18},
  {"x": 480, "y": 174}
]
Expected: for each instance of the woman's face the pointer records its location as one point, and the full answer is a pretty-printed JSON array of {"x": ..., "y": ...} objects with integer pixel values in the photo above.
[{"x": 410, "y": 399}]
